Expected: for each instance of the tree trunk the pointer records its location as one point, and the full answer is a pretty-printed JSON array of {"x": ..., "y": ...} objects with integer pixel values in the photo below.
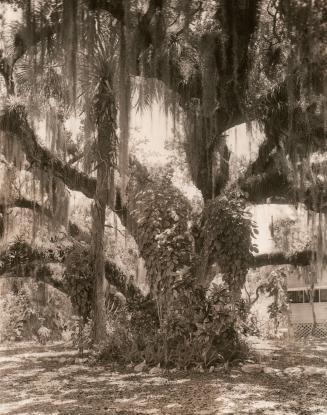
[
  {"x": 314, "y": 317},
  {"x": 98, "y": 217},
  {"x": 290, "y": 324},
  {"x": 207, "y": 154},
  {"x": 106, "y": 146}
]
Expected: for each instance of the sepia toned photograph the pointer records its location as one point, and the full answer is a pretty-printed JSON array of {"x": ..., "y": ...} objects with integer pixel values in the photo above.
[{"x": 163, "y": 207}]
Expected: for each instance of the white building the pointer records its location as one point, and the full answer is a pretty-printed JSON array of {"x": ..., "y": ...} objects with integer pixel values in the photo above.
[{"x": 302, "y": 312}]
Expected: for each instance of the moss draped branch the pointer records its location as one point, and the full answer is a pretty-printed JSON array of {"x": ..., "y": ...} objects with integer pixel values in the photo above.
[
  {"x": 35, "y": 270},
  {"x": 22, "y": 260},
  {"x": 273, "y": 185},
  {"x": 301, "y": 258},
  {"x": 14, "y": 122}
]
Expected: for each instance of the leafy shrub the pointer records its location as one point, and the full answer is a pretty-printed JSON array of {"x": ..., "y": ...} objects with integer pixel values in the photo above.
[
  {"x": 199, "y": 331},
  {"x": 80, "y": 331},
  {"x": 43, "y": 334},
  {"x": 120, "y": 345},
  {"x": 205, "y": 330},
  {"x": 17, "y": 316},
  {"x": 22, "y": 313},
  {"x": 78, "y": 280}
]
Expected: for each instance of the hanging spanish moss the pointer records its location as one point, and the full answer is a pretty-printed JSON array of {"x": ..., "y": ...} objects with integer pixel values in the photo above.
[
  {"x": 69, "y": 39},
  {"x": 55, "y": 134},
  {"x": 304, "y": 90},
  {"x": 209, "y": 77}
]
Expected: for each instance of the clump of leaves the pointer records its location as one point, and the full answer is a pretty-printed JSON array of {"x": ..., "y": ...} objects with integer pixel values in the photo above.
[
  {"x": 17, "y": 311},
  {"x": 23, "y": 314},
  {"x": 80, "y": 332},
  {"x": 226, "y": 236},
  {"x": 206, "y": 327},
  {"x": 19, "y": 253},
  {"x": 78, "y": 280},
  {"x": 272, "y": 283},
  {"x": 120, "y": 345},
  {"x": 164, "y": 238},
  {"x": 276, "y": 287}
]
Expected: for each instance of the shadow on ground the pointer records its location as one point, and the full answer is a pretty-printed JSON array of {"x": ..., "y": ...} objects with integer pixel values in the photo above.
[{"x": 49, "y": 382}]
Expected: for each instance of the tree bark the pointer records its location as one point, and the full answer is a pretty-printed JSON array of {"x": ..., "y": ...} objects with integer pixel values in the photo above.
[
  {"x": 104, "y": 117},
  {"x": 301, "y": 258},
  {"x": 98, "y": 216}
]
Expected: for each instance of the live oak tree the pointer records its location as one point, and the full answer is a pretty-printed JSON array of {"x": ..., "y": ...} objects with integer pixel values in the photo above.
[{"x": 214, "y": 64}]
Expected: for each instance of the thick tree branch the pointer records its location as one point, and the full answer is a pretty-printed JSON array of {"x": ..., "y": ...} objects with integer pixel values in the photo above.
[
  {"x": 21, "y": 202},
  {"x": 114, "y": 7},
  {"x": 274, "y": 187},
  {"x": 268, "y": 186},
  {"x": 14, "y": 123},
  {"x": 302, "y": 258},
  {"x": 38, "y": 270},
  {"x": 147, "y": 26},
  {"x": 21, "y": 260},
  {"x": 37, "y": 267}
]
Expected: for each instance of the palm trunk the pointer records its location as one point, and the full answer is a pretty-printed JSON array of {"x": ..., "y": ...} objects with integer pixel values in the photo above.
[
  {"x": 105, "y": 159},
  {"x": 98, "y": 216}
]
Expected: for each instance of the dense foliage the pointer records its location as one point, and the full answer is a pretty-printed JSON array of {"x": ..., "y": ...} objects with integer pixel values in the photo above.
[
  {"x": 31, "y": 311},
  {"x": 212, "y": 64},
  {"x": 162, "y": 214},
  {"x": 226, "y": 237},
  {"x": 78, "y": 279}
]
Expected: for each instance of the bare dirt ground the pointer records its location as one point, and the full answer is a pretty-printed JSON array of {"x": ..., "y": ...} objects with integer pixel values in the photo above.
[{"x": 51, "y": 381}]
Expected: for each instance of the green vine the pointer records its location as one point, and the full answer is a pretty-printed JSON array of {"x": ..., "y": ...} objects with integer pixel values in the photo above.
[
  {"x": 226, "y": 234},
  {"x": 78, "y": 279},
  {"x": 165, "y": 241}
]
